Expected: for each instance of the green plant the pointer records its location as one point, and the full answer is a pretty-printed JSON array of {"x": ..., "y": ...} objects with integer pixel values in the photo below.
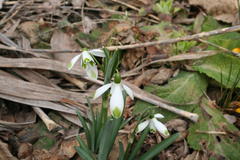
[
  {"x": 165, "y": 6},
  {"x": 102, "y": 129}
]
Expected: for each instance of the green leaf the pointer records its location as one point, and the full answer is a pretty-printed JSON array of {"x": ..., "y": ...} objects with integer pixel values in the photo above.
[
  {"x": 184, "y": 89},
  {"x": 83, "y": 154},
  {"x": 211, "y": 119},
  {"x": 159, "y": 147},
  {"x": 121, "y": 151},
  {"x": 85, "y": 127},
  {"x": 226, "y": 40},
  {"x": 110, "y": 132},
  {"x": 139, "y": 144},
  {"x": 221, "y": 67}
]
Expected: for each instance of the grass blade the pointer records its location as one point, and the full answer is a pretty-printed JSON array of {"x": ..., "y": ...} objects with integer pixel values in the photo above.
[
  {"x": 159, "y": 147},
  {"x": 138, "y": 146}
]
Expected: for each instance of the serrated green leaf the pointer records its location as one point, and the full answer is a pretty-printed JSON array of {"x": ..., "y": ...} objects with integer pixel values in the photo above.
[
  {"x": 212, "y": 119},
  {"x": 221, "y": 67},
  {"x": 184, "y": 89}
]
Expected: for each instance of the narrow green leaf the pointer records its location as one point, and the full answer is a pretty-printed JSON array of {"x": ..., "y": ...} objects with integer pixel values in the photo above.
[
  {"x": 111, "y": 67},
  {"x": 83, "y": 154},
  {"x": 121, "y": 151},
  {"x": 159, "y": 147},
  {"x": 85, "y": 127},
  {"x": 138, "y": 146},
  {"x": 83, "y": 148},
  {"x": 110, "y": 132}
]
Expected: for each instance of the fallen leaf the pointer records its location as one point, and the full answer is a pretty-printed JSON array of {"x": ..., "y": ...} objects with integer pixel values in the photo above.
[
  {"x": 224, "y": 10},
  {"x": 132, "y": 58},
  {"x": 5, "y": 154},
  {"x": 63, "y": 41},
  {"x": 25, "y": 150},
  {"x": 221, "y": 67},
  {"x": 67, "y": 148},
  {"x": 77, "y": 3},
  {"x": 177, "y": 125},
  {"x": 206, "y": 134},
  {"x": 185, "y": 89},
  {"x": 88, "y": 25},
  {"x": 145, "y": 77},
  {"x": 30, "y": 29},
  {"x": 162, "y": 76}
]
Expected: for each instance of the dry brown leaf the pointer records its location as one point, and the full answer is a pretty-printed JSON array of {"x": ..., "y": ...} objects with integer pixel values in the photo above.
[
  {"x": 224, "y": 10},
  {"x": 30, "y": 29},
  {"x": 25, "y": 150},
  {"x": 132, "y": 58},
  {"x": 114, "y": 154},
  {"x": 145, "y": 77},
  {"x": 67, "y": 148},
  {"x": 162, "y": 76},
  {"x": 5, "y": 154},
  {"x": 177, "y": 125},
  {"x": 63, "y": 41},
  {"x": 88, "y": 24},
  {"x": 77, "y": 3},
  {"x": 46, "y": 155}
]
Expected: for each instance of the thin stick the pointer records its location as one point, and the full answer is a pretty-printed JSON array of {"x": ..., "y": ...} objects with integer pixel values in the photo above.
[
  {"x": 50, "y": 124},
  {"x": 211, "y": 132},
  {"x": 160, "y": 42},
  {"x": 150, "y": 98},
  {"x": 219, "y": 47},
  {"x": 175, "y": 40}
]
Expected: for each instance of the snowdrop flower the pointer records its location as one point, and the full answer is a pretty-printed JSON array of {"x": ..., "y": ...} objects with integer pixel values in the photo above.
[
  {"x": 154, "y": 125},
  {"x": 116, "y": 99},
  {"x": 87, "y": 62}
]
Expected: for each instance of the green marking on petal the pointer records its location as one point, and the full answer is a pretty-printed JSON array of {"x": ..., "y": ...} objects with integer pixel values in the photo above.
[
  {"x": 166, "y": 133},
  {"x": 153, "y": 130},
  {"x": 70, "y": 65},
  {"x": 116, "y": 113},
  {"x": 93, "y": 74}
]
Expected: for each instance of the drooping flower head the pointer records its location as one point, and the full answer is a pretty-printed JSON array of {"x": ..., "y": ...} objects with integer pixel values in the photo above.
[
  {"x": 116, "y": 99},
  {"x": 87, "y": 62},
  {"x": 154, "y": 125}
]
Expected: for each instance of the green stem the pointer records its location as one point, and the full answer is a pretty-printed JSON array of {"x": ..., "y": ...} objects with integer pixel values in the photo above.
[{"x": 104, "y": 109}]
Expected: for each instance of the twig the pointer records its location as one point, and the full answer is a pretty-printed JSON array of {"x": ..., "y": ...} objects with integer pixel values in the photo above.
[
  {"x": 211, "y": 132},
  {"x": 174, "y": 40},
  {"x": 160, "y": 42},
  {"x": 51, "y": 125},
  {"x": 181, "y": 57},
  {"x": 150, "y": 98},
  {"x": 219, "y": 47}
]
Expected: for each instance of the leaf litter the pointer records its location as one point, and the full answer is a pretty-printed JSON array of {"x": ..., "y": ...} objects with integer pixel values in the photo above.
[{"x": 38, "y": 39}]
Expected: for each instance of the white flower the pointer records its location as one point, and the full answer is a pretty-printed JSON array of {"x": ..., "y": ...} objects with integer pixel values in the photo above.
[
  {"x": 154, "y": 125},
  {"x": 116, "y": 99},
  {"x": 87, "y": 62}
]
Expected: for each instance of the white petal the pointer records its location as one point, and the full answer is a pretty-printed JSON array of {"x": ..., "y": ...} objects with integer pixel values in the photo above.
[
  {"x": 152, "y": 127},
  {"x": 114, "y": 86},
  {"x": 161, "y": 128},
  {"x": 73, "y": 61},
  {"x": 101, "y": 90},
  {"x": 97, "y": 52},
  {"x": 116, "y": 102},
  {"x": 86, "y": 55},
  {"x": 92, "y": 71},
  {"x": 129, "y": 91},
  {"x": 158, "y": 115},
  {"x": 142, "y": 126}
]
